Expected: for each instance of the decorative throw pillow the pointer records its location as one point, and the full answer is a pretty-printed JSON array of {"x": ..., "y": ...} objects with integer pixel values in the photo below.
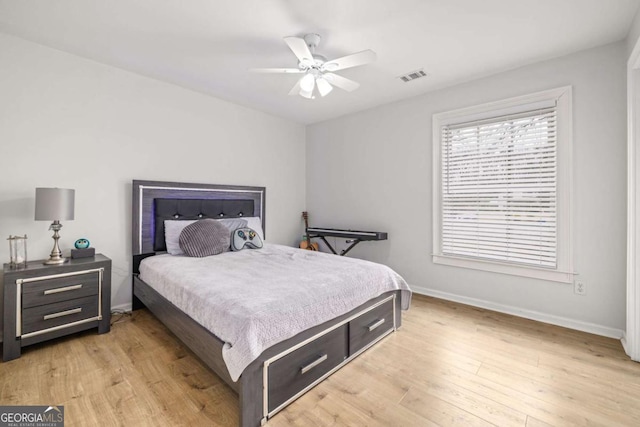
[
  {"x": 205, "y": 237},
  {"x": 245, "y": 238},
  {"x": 173, "y": 228}
]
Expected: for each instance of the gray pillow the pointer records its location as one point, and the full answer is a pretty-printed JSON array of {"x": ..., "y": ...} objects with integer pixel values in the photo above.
[
  {"x": 173, "y": 228},
  {"x": 204, "y": 238}
]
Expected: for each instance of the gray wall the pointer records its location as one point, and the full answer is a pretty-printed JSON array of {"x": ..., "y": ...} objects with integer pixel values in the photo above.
[
  {"x": 372, "y": 170},
  {"x": 73, "y": 123},
  {"x": 634, "y": 34}
]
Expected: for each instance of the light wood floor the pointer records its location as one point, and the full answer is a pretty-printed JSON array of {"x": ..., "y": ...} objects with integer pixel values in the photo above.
[{"x": 449, "y": 364}]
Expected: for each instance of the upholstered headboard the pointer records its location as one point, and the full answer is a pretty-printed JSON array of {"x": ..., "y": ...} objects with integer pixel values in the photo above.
[
  {"x": 155, "y": 201},
  {"x": 194, "y": 209}
]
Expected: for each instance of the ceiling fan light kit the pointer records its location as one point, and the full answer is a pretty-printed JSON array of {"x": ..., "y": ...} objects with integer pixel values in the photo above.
[
  {"x": 318, "y": 72},
  {"x": 307, "y": 83}
]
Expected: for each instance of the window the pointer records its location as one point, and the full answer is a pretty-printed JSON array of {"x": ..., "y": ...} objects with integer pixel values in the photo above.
[{"x": 502, "y": 178}]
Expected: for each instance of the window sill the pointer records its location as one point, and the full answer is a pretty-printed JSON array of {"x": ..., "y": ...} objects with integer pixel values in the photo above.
[{"x": 505, "y": 268}]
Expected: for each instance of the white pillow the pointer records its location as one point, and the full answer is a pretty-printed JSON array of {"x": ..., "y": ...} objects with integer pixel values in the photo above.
[
  {"x": 173, "y": 228},
  {"x": 255, "y": 222}
]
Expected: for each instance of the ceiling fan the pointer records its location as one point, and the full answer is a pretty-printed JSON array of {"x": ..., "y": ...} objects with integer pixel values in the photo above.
[{"x": 317, "y": 70}]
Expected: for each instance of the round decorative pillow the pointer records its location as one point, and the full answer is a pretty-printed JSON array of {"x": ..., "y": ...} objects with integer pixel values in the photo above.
[
  {"x": 82, "y": 244},
  {"x": 205, "y": 237}
]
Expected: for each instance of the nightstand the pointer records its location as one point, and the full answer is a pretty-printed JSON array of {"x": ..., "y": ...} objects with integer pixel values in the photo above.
[{"x": 42, "y": 302}]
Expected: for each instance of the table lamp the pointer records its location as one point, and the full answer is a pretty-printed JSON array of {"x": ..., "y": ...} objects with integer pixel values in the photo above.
[{"x": 55, "y": 204}]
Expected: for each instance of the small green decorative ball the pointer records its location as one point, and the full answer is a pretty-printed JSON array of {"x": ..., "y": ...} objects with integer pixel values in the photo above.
[{"x": 82, "y": 244}]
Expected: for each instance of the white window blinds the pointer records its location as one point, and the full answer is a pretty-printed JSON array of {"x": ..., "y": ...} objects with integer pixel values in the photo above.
[{"x": 499, "y": 181}]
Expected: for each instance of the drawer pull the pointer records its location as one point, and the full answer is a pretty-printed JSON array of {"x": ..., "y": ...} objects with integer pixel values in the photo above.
[
  {"x": 376, "y": 325},
  {"x": 313, "y": 364},
  {"x": 62, "y": 313},
  {"x": 65, "y": 289}
]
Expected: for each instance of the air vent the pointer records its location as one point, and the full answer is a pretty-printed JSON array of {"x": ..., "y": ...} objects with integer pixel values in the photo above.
[{"x": 413, "y": 75}]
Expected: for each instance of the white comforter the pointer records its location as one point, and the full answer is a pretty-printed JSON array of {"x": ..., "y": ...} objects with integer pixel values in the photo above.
[{"x": 253, "y": 299}]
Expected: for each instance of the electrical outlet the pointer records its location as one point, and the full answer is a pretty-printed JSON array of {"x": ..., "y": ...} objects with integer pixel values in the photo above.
[{"x": 579, "y": 288}]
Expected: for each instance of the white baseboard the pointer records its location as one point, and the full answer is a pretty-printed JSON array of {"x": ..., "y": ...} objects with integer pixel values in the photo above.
[
  {"x": 122, "y": 307},
  {"x": 507, "y": 309},
  {"x": 623, "y": 340},
  {"x": 527, "y": 314}
]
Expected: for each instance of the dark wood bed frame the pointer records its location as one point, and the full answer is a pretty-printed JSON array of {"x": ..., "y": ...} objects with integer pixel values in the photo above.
[{"x": 253, "y": 387}]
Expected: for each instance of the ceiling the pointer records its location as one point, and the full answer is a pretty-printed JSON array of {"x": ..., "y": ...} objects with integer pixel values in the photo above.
[{"x": 209, "y": 45}]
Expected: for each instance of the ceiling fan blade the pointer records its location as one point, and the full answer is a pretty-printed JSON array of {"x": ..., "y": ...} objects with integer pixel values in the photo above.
[
  {"x": 324, "y": 87},
  {"x": 276, "y": 70},
  {"x": 354, "y": 60},
  {"x": 341, "y": 82},
  {"x": 300, "y": 49}
]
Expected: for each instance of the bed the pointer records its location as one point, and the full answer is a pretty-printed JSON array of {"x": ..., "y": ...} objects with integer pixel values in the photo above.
[{"x": 268, "y": 360}]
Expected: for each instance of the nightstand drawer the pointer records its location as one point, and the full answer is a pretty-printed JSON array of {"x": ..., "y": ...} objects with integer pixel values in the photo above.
[
  {"x": 60, "y": 313},
  {"x": 365, "y": 329},
  {"x": 294, "y": 372},
  {"x": 49, "y": 291}
]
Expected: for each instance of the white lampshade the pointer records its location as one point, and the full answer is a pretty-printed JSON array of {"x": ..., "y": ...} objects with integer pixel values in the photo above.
[
  {"x": 54, "y": 204},
  {"x": 307, "y": 83}
]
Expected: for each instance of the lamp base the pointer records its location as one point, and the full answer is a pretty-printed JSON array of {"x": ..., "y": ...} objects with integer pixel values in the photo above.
[
  {"x": 55, "y": 258},
  {"x": 55, "y": 261}
]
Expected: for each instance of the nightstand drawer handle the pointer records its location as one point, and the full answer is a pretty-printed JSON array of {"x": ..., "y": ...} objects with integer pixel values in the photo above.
[
  {"x": 313, "y": 364},
  {"x": 62, "y": 313},
  {"x": 376, "y": 325},
  {"x": 65, "y": 289}
]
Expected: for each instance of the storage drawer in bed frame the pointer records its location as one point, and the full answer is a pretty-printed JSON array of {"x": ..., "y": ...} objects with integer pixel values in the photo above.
[
  {"x": 293, "y": 372},
  {"x": 373, "y": 324},
  {"x": 302, "y": 367}
]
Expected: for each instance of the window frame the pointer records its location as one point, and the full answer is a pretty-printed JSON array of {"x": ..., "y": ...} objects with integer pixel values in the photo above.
[{"x": 564, "y": 267}]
